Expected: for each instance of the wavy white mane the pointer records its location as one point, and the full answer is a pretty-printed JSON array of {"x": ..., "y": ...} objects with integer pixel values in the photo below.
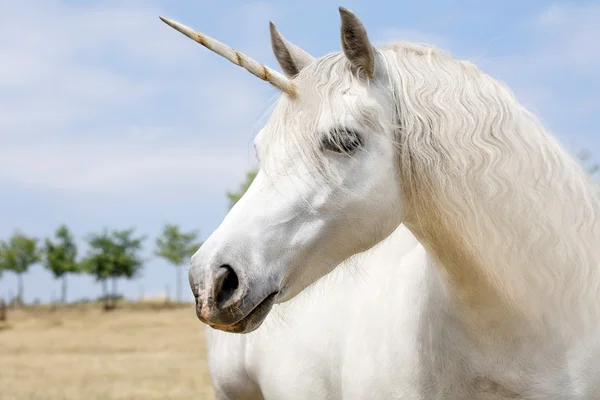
[{"x": 524, "y": 211}]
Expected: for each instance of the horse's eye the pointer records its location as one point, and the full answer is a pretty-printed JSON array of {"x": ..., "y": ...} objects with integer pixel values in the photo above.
[{"x": 342, "y": 140}]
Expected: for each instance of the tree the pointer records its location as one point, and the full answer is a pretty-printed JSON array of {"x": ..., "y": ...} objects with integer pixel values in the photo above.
[
  {"x": 60, "y": 257},
  {"x": 176, "y": 247},
  {"x": 98, "y": 261},
  {"x": 128, "y": 262},
  {"x": 17, "y": 256},
  {"x": 111, "y": 256},
  {"x": 235, "y": 196}
]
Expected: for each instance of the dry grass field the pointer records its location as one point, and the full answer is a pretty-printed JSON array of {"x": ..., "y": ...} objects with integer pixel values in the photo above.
[{"x": 81, "y": 352}]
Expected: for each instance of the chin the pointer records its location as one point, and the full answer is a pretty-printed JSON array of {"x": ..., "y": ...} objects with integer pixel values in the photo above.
[{"x": 253, "y": 320}]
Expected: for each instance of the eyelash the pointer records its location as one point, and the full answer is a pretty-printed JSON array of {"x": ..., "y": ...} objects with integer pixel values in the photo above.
[{"x": 342, "y": 140}]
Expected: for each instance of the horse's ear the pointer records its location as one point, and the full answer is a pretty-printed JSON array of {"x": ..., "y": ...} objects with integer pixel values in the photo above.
[
  {"x": 291, "y": 58},
  {"x": 356, "y": 45}
]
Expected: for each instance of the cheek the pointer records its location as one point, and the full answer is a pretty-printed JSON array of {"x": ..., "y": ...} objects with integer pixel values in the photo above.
[
  {"x": 374, "y": 190},
  {"x": 375, "y": 174}
]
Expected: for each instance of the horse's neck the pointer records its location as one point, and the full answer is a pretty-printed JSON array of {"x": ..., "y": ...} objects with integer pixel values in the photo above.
[{"x": 518, "y": 238}]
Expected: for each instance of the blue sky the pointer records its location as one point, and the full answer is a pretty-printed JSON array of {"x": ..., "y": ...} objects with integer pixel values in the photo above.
[{"x": 109, "y": 118}]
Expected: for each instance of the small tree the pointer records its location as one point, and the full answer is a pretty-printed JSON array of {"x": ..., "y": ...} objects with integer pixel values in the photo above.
[
  {"x": 176, "y": 247},
  {"x": 112, "y": 256},
  {"x": 128, "y": 263},
  {"x": 235, "y": 196},
  {"x": 60, "y": 257},
  {"x": 98, "y": 262},
  {"x": 18, "y": 255}
]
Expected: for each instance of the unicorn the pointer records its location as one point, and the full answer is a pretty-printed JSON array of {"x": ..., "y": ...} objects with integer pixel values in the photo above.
[{"x": 403, "y": 155}]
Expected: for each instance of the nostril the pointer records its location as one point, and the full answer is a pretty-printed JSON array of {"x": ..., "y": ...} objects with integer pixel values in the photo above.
[{"x": 227, "y": 284}]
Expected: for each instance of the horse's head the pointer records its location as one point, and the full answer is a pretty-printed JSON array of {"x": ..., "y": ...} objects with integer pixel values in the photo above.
[{"x": 327, "y": 187}]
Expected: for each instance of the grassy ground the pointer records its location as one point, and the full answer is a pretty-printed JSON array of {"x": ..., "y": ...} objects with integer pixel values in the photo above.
[{"x": 80, "y": 352}]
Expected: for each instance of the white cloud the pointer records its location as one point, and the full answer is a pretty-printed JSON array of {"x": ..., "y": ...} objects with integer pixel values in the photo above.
[
  {"x": 107, "y": 99},
  {"x": 568, "y": 38},
  {"x": 63, "y": 65},
  {"x": 119, "y": 166}
]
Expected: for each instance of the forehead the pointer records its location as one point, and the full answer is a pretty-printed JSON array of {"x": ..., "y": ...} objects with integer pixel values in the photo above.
[{"x": 329, "y": 95}]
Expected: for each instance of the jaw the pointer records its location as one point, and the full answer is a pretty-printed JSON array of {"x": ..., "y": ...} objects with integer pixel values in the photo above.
[{"x": 253, "y": 320}]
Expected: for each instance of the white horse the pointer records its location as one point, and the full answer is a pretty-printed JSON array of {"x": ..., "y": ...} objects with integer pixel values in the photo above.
[{"x": 503, "y": 294}]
